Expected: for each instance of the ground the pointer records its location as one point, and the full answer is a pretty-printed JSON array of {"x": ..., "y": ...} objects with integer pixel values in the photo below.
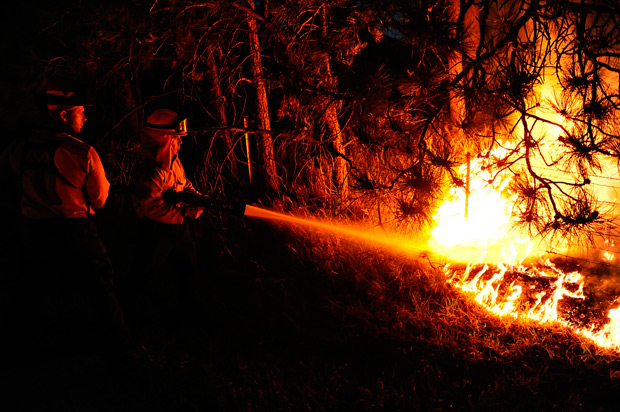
[{"x": 285, "y": 331}]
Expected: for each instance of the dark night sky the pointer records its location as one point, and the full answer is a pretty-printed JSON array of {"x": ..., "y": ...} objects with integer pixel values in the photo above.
[{"x": 33, "y": 34}]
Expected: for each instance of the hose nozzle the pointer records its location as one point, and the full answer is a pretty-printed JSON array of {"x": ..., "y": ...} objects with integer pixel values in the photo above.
[{"x": 237, "y": 208}]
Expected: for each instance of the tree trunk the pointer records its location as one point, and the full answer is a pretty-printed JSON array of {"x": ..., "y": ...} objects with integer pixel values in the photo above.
[
  {"x": 265, "y": 141},
  {"x": 331, "y": 120},
  {"x": 465, "y": 28},
  {"x": 340, "y": 166}
]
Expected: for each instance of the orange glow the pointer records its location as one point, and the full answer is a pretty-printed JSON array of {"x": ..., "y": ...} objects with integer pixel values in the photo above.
[
  {"x": 382, "y": 238},
  {"x": 508, "y": 287},
  {"x": 487, "y": 233},
  {"x": 482, "y": 237},
  {"x": 533, "y": 292}
]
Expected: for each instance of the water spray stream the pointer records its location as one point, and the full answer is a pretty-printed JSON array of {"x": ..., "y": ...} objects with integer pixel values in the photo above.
[
  {"x": 491, "y": 292},
  {"x": 360, "y": 233}
]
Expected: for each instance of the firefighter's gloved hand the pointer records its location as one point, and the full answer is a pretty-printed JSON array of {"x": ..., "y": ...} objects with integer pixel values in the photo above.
[{"x": 193, "y": 212}]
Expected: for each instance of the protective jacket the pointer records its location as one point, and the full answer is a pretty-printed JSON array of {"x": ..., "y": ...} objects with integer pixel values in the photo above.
[
  {"x": 60, "y": 176},
  {"x": 159, "y": 171},
  {"x": 66, "y": 279}
]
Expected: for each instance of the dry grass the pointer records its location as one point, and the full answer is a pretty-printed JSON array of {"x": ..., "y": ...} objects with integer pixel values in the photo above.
[
  {"x": 370, "y": 329},
  {"x": 303, "y": 320}
]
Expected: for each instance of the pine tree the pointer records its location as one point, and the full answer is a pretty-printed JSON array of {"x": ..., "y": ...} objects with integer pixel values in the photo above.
[
  {"x": 268, "y": 161},
  {"x": 547, "y": 69}
]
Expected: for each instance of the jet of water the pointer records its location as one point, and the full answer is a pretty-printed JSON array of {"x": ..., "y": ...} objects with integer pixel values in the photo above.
[{"x": 360, "y": 233}]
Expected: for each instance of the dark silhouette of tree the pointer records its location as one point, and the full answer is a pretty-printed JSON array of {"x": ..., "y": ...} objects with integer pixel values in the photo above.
[
  {"x": 316, "y": 43},
  {"x": 538, "y": 79},
  {"x": 381, "y": 102},
  {"x": 546, "y": 69},
  {"x": 403, "y": 152},
  {"x": 263, "y": 118}
]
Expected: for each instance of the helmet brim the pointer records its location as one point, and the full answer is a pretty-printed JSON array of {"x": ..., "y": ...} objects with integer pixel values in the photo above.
[
  {"x": 158, "y": 131},
  {"x": 179, "y": 129}
]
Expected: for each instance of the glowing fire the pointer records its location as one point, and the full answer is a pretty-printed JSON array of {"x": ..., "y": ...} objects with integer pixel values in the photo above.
[
  {"x": 547, "y": 286},
  {"x": 479, "y": 226},
  {"x": 474, "y": 229},
  {"x": 483, "y": 234}
]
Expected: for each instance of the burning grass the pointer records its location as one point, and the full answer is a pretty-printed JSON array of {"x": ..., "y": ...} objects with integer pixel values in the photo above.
[
  {"x": 302, "y": 319},
  {"x": 388, "y": 331}
]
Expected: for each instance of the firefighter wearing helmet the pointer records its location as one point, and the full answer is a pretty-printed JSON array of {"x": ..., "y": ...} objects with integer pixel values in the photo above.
[
  {"x": 167, "y": 271},
  {"x": 161, "y": 170},
  {"x": 66, "y": 279}
]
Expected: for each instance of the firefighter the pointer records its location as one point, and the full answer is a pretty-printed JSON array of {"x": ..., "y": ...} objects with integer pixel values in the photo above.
[
  {"x": 166, "y": 278},
  {"x": 66, "y": 281}
]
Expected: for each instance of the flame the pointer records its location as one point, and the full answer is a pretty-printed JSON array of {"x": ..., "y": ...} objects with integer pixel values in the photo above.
[
  {"x": 479, "y": 226},
  {"x": 539, "y": 292},
  {"x": 475, "y": 229},
  {"x": 533, "y": 293},
  {"x": 496, "y": 276}
]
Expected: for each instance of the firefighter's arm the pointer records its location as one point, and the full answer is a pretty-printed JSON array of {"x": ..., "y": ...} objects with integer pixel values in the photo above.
[
  {"x": 97, "y": 185},
  {"x": 192, "y": 211},
  {"x": 152, "y": 204}
]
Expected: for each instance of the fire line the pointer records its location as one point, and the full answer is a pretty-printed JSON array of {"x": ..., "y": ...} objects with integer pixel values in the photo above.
[{"x": 510, "y": 288}]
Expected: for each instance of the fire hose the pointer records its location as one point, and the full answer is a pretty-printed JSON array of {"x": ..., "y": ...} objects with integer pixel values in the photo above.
[{"x": 191, "y": 199}]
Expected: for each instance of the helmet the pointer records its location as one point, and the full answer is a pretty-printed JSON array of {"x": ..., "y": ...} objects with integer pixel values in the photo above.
[
  {"x": 57, "y": 97},
  {"x": 167, "y": 122}
]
